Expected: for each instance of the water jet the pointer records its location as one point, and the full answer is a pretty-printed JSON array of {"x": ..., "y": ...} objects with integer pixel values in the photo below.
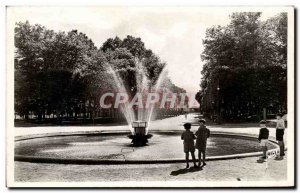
[{"x": 138, "y": 119}]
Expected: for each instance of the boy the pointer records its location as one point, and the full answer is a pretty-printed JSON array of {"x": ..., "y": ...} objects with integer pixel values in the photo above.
[
  {"x": 280, "y": 132},
  {"x": 188, "y": 144},
  {"x": 263, "y": 138},
  {"x": 202, "y": 134}
]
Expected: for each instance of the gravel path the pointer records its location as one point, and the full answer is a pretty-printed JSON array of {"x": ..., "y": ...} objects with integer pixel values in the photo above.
[{"x": 246, "y": 169}]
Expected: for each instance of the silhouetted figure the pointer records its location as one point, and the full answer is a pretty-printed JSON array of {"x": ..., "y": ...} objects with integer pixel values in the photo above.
[
  {"x": 280, "y": 127},
  {"x": 263, "y": 138},
  {"x": 202, "y": 134},
  {"x": 188, "y": 144}
]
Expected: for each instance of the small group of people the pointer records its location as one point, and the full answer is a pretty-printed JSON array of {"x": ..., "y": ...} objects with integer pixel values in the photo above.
[
  {"x": 189, "y": 145},
  {"x": 203, "y": 133},
  {"x": 263, "y": 136}
]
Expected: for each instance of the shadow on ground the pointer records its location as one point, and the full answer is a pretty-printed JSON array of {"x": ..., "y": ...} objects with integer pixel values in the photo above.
[
  {"x": 260, "y": 161},
  {"x": 185, "y": 171},
  {"x": 279, "y": 158},
  {"x": 276, "y": 159}
]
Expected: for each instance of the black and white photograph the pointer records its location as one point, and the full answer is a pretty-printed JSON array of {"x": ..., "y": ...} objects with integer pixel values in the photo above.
[{"x": 150, "y": 96}]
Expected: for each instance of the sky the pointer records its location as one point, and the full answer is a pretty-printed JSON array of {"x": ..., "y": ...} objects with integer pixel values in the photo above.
[{"x": 175, "y": 34}]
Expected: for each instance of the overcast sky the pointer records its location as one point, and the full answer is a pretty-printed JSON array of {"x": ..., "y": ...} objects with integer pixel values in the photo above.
[{"x": 174, "y": 34}]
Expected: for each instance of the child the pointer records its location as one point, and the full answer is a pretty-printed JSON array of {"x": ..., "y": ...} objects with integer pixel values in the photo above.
[
  {"x": 202, "y": 134},
  {"x": 188, "y": 144},
  {"x": 280, "y": 132},
  {"x": 263, "y": 138}
]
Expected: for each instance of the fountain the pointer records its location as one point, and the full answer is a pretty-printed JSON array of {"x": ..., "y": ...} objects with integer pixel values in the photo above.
[
  {"x": 138, "y": 121},
  {"x": 139, "y": 138}
]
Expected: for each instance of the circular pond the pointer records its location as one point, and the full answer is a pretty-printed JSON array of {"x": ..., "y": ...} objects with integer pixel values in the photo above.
[{"x": 163, "y": 145}]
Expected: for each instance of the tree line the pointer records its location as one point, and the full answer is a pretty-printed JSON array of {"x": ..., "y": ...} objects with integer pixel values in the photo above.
[
  {"x": 63, "y": 74},
  {"x": 245, "y": 68}
]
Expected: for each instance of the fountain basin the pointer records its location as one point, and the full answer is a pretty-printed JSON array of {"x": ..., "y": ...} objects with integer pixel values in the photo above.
[{"x": 165, "y": 147}]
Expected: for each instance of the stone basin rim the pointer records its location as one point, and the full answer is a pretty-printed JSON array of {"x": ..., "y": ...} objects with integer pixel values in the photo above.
[{"x": 122, "y": 132}]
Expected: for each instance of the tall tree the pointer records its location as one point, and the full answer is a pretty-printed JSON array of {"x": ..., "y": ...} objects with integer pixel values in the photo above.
[
  {"x": 244, "y": 67},
  {"x": 50, "y": 66}
]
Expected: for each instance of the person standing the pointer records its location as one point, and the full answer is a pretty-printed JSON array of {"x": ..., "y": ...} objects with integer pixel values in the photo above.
[
  {"x": 188, "y": 144},
  {"x": 201, "y": 140},
  {"x": 280, "y": 127},
  {"x": 263, "y": 138}
]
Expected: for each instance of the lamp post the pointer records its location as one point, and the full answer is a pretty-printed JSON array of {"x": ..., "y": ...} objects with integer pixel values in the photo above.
[
  {"x": 219, "y": 109},
  {"x": 213, "y": 107},
  {"x": 200, "y": 99}
]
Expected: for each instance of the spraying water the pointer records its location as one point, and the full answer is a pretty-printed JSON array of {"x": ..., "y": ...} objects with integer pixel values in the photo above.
[
  {"x": 157, "y": 86},
  {"x": 142, "y": 83},
  {"x": 143, "y": 87},
  {"x": 125, "y": 108}
]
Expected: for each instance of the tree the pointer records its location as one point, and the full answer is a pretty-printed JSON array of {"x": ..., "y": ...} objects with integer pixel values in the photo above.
[
  {"x": 111, "y": 44},
  {"x": 245, "y": 67},
  {"x": 124, "y": 54},
  {"x": 51, "y": 68}
]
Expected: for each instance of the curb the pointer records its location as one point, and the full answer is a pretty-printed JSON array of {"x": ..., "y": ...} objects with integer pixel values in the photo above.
[{"x": 87, "y": 161}]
